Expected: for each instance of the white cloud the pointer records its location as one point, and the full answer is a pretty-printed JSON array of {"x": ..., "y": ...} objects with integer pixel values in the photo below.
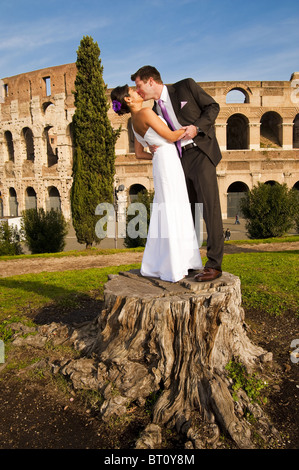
[{"x": 45, "y": 31}]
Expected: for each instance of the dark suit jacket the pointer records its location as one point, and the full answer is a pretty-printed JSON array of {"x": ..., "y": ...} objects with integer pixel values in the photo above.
[{"x": 200, "y": 110}]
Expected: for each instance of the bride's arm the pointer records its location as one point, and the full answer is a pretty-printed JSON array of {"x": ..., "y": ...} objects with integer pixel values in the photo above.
[
  {"x": 140, "y": 152},
  {"x": 151, "y": 119}
]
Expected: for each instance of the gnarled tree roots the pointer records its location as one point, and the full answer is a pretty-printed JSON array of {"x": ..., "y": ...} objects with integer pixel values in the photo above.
[{"x": 173, "y": 340}]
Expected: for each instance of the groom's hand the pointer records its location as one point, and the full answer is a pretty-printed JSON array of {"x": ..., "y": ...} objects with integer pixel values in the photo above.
[{"x": 190, "y": 132}]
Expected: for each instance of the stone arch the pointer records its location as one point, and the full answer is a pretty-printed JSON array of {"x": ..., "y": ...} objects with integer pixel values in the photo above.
[
  {"x": 271, "y": 130},
  {"x": 296, "y": 186},
  {"x": 271, "y": 182},
  {"x": 28, "y": 143},
  {"x": 243, "y": 91},
  {"x": 9, "y": 147},
  {"x": 235, "y": 192},
  {"x": 53, "y": 199},
  {"x": 296, "y": 132},
  {"x": 237, "y": 132},
  {"x": 30, "y": 198},
  {"x": 47, "y": 106},
  {"x": 134, "y": 190},
  {"x": 237, "y": 95},
  {"x": 50, "y": 140},
  {"x": 13, "y": 202}
]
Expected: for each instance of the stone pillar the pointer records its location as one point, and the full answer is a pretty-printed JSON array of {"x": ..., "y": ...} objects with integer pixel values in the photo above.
[
  {"x": 41, "y": 192},
  {"x": 64, "y": 191},
  {"x": 2, "y": 151},
  {"x": 14, "y": 109},
  {"x": 221, "y": 174},
  {"x": 287, "y": 135},
  {"x": 64, "y": 163},
  {"x": 254, "y": 136},
  {"x": 19, "y": 156},
  {"x": 255, "y": 177},
  {"x": 220, "y": 129},
  {"x": 287, "y": 175},
  {"x": 35, "y": 109}
]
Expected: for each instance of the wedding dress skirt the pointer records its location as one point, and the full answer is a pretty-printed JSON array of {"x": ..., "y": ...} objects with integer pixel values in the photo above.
[{"x": 171, "y": 247}]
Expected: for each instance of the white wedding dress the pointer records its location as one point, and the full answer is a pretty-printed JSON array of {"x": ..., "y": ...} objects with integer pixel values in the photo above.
[{"x": 171, "y": 247}]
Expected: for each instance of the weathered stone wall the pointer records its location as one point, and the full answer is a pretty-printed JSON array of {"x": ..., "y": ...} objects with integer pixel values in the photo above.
[
  {"x": 259, "y": 138},
  {"x": 35, "y": 139}
]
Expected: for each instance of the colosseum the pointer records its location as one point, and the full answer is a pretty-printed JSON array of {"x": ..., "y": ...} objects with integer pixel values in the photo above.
[{"x": 257, "y": 130}]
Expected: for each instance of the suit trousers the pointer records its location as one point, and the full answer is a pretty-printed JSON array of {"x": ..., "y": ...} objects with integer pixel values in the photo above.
[{"x": 202, "y": 185}]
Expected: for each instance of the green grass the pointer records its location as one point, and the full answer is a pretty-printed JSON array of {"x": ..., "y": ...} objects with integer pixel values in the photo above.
[
  {"x": 254, "y": 241},
  {"x": 24, "y": 293},
  {"x": 269, "y": 282},
  {"x": 62, "y": 254}
]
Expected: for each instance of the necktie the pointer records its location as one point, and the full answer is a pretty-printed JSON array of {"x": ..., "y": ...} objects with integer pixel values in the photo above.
[{"x": 170, "y": 123}]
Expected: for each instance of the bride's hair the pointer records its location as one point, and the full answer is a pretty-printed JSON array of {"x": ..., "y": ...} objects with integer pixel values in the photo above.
[{"x": 119, "y": 104}]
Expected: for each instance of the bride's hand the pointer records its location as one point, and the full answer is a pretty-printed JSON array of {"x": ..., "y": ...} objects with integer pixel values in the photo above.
[
  {"x": 153, "y": 148},
  {"x": 183, "y": 128},
  {"x": 190, "y": 132}
]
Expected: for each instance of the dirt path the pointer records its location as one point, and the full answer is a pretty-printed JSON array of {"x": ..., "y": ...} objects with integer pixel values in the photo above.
[{"x": 37, "y": 265}]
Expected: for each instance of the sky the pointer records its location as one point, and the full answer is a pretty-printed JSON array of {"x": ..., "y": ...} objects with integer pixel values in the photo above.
[{"x": 208, "y": 40}]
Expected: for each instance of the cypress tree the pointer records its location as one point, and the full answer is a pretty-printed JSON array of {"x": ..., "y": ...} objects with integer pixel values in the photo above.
[{"x": 94, "y": 143}]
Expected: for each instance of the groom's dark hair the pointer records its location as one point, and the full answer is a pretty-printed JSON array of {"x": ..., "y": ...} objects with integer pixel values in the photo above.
[{"x": 145, "y": 73}]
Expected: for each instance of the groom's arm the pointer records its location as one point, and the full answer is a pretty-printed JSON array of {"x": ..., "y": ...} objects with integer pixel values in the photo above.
[{"x": 140, "y": 152}]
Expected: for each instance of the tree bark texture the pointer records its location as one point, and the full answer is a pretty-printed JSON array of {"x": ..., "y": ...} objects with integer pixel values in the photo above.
[
  {"x": 172, "y": 340},
  {"x": 169, "y": 342}
]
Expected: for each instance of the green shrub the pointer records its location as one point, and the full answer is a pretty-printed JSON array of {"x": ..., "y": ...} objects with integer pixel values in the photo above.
[
  {"x": 10, "y": 243},
  {"x": 44, "y": 232},
  {"x": 269, "y": 209}
]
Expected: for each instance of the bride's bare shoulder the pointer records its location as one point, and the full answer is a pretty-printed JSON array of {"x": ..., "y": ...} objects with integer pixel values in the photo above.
[{"x": 146, "y": 112}]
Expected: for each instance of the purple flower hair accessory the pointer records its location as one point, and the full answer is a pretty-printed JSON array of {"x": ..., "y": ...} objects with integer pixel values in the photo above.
[{"x": 116, "y": 105}]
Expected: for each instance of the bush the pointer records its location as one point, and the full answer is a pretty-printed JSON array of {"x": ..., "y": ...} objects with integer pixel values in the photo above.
[
  {"x": 44, "y": 232},
  {"x": 10, "y": 243},
  {"x": 269, "y": 209}
]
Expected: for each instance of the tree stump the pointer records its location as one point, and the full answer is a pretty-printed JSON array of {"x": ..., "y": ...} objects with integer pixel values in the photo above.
[{"x": 174, "y": 340}]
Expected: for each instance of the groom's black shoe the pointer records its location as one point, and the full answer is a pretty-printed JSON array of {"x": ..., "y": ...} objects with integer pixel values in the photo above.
[{"x": 207, "y": 274}]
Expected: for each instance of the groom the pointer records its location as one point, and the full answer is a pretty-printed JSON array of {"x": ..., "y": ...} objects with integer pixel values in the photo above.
[{"x": 188, "y": 105}]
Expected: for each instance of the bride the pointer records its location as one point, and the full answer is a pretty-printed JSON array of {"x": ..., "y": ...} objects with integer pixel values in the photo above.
[{"x": 171, "y": 248}]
